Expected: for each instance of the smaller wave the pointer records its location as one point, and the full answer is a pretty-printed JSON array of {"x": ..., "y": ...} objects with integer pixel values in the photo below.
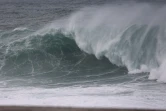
[{"x": 20, "y": 29}]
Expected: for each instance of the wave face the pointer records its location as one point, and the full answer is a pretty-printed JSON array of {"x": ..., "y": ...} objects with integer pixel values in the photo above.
[
  {"x": 51, "y": 57},
  {"x": 39, "y": 53},
  {"x": 129, "y": 35}
]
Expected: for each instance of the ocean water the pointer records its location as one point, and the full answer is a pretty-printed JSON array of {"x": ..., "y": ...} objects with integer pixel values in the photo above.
[{"x": 83, "y": 53}]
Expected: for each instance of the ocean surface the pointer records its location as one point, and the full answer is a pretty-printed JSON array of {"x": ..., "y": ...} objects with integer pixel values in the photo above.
[{"x": 84, "y": 53}]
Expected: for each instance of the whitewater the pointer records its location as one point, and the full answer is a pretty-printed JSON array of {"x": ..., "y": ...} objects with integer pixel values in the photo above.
[{"x": 86, "y": 53}]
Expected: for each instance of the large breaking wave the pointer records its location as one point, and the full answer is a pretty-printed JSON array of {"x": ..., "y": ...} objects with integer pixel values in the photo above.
[{"x": 131, "y": 35}]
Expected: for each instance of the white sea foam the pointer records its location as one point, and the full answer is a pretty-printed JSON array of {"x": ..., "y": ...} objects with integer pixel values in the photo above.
[
  {"x": 103, "y": 96},
  {"x": 20, "y": 29}
]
